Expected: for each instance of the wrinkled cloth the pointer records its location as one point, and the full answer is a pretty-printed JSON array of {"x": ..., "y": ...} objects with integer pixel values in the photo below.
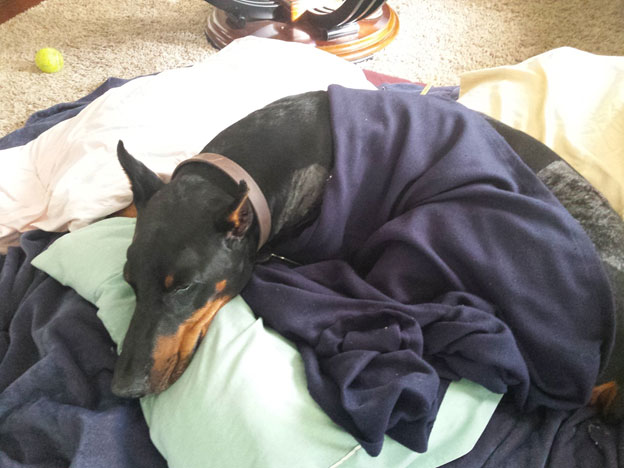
[
  {"x": 437, "y": 254},
  {"x": 546, "y": 437},
  {"x": 56, "y": 366},
  {"x": 512, "y": 438}
]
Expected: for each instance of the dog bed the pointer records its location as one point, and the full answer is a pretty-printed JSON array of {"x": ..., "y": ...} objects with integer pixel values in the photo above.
[{"x": 57, "y": 359}]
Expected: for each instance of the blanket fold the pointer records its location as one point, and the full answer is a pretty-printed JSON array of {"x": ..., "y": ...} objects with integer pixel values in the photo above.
[{"x": 452, "y": 260}]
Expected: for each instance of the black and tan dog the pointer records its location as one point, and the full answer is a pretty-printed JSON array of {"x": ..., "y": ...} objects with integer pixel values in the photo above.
[{"x": 198, "y": 236}]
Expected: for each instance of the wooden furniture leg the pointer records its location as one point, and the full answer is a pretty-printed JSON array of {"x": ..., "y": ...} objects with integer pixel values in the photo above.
[{"x": 355, "y": 30}]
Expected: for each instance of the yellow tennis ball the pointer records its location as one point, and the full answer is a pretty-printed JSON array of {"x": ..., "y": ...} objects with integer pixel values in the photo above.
[{"x": 49, "y": 60}]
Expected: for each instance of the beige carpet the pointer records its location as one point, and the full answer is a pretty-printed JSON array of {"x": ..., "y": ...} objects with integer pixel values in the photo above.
[{"x": 438, "y": 40}]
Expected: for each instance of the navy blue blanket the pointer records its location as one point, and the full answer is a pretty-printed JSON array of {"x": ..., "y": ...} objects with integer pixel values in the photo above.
[
  {"x": 56, "y": 407},
  {"x": 438, "y": 254},
  {"x": 56, "y": 365}
]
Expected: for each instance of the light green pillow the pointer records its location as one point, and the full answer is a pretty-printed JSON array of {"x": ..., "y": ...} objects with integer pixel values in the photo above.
[{"x": 243, "y": 401}]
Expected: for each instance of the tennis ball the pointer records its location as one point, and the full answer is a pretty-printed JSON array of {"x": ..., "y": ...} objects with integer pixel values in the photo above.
[{"x": 49, "y": 60}]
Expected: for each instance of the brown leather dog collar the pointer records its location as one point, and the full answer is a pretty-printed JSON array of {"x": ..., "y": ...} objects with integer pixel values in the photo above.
[{"x": 237, "y": 173}]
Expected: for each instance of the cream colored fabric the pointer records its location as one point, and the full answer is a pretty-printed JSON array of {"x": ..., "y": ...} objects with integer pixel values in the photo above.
[{"x": 571, "y": 100}]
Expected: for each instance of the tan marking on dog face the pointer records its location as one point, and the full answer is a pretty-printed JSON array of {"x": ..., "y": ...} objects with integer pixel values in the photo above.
[
  {"x": 129, "y": 211},
  {"x": 172, "y": 353},
  {"x": 168, "y": 281},
  {"x": 235, "y": 216}
]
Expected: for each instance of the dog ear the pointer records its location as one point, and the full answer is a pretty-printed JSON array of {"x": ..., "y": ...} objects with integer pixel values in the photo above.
[
  {"x": 240, "y": 214},
  {"x": 144, "y": 182}
]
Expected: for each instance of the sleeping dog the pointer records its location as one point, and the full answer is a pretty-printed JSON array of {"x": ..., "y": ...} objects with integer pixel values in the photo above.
[
  {"x": 257, "y": 184},
  {"x": 197, "y": 237}
]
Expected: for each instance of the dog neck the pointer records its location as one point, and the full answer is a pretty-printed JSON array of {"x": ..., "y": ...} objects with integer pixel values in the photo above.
[
  {"x": 287, "y": 147},
  {"x": 237, "y": 173}
]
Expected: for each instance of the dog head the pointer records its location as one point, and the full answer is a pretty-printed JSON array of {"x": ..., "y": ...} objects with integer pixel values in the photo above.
[{"x": 192, "y": 251}]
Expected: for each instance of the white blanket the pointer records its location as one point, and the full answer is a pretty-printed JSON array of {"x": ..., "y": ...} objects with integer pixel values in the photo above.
[{"x": 69, "y": 176}]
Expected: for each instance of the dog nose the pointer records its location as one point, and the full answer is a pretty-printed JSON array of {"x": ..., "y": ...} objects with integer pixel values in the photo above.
[
  {"x": 129, "y": 388},
  {"x": 130, "y": 377}
]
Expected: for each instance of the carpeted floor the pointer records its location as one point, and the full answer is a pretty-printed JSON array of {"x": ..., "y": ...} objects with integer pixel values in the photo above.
[{"x": 438, "y": 40}]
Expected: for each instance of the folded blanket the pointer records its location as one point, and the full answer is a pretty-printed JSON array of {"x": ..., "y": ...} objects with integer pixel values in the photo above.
[{"x": 438, "y": 254}]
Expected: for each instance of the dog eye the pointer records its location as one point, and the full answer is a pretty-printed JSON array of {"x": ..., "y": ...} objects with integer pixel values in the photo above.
[
  {"x": 174, "y": 287},
  {"x": 179, "y": 289}
]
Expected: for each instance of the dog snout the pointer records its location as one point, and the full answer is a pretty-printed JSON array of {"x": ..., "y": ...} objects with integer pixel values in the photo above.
[
  {"x": 151, "y": 360},
  {"x": 129, "y": 379}
]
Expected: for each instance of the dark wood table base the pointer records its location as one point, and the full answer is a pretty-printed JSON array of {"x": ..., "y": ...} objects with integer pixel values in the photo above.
[{"x": 353, "y": 42}]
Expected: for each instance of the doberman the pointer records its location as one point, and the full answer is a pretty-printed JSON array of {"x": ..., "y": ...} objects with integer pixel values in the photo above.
[
  {"x": 201, "y": 266},
  {"x": 198, "y": 236}
]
